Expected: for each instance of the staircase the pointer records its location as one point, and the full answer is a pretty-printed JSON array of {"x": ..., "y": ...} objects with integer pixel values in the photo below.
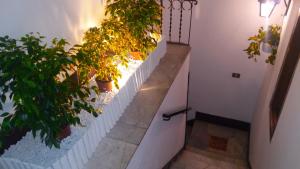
[{"x": 211, "y": 146}]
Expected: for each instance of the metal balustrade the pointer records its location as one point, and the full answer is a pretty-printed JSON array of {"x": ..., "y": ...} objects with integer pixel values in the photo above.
[{"x": 178, "y": 11}]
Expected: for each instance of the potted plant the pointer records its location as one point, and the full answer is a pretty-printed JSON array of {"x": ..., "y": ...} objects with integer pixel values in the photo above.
[
  {"x": 117, "y": 39},
  {"x": 140, "y": 48},
  {"x": 108, "y": 73},
  {"x": 103, "y": 53},
  {"x": 137, "y": 50},
  {"x": 267, "y": 40},
  {"x": 44, "y": 101},
  {"x": 142, "y": 18}
]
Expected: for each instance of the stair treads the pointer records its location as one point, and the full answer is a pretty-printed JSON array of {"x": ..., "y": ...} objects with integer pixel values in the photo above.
[
  {"x": 199, "y": 137},
  {"x": 202, "y": 138}
]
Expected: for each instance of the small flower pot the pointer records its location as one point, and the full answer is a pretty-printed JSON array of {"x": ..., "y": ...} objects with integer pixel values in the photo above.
[
  {"x": 64, "y": 133},
  {"x": 136, "y": 55},
  {"x": 104, "y": 86},
  {"x": 74, "y": 79},
  {"x": 15, "y": 136}
]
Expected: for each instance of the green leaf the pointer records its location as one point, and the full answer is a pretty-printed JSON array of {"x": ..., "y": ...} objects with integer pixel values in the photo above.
[
  {"x": 95, "y": 114},
  {"x": 4, "y": 114}
]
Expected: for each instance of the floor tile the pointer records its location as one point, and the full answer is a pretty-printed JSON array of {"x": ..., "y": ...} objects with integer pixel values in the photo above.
[
  {"x": 115, "y": 153},
  {"x": 199, "y": 154}
]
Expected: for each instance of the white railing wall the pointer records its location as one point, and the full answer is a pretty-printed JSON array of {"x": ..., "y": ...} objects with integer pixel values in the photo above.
[{"x": 75, "y": 150}]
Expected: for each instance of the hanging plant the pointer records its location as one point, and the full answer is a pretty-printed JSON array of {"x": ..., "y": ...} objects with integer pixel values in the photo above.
[{"x": 267, "y": 40}]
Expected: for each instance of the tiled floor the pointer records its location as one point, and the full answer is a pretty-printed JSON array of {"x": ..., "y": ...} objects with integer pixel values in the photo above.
[{"x": 213, "y": 147}]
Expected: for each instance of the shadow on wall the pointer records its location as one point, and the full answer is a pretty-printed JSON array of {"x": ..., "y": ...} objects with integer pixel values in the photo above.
[{"x": 57, "y": 18}]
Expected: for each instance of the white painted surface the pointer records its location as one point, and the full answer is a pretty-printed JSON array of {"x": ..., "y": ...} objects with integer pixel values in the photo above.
[
  {"x": 82, "y": 142},
  {"x": 219, "y": 35},
  {"x": 283, "y": 151},
  {"x": 164, "y": 139},
  {"x": 52, "y": 18}
]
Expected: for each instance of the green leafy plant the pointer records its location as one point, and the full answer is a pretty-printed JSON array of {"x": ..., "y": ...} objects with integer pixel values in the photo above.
[
  {"x": 37, "y": 76},
  {"x": 117, "y": 39},
  {"x": 271, "y": 37},
  {"x": 141, "y": 17},
  {"x": 103, "y": 50},
  {"x": 128, "y": 27}
]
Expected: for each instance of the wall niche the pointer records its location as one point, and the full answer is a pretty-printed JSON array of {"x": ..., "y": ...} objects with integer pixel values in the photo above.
[{"x": 285, "y": 78}]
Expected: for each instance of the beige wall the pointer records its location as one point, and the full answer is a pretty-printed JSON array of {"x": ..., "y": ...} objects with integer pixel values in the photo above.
[{"x": 283, "y": 152}]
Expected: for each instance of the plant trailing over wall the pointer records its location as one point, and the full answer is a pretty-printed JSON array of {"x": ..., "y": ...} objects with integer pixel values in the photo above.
[
  {"x": 43, "y": 100},
  {"x": 270, "y": 38}
]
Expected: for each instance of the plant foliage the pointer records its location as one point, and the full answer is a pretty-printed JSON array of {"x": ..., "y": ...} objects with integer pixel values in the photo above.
[
  {"x": 103, "y": 49},
  {"x": 35, "y": 74},
  {"x": 141, "y": 17},
  {"x": 36, "y": 77},
  {"x": 270, "y": 37}
]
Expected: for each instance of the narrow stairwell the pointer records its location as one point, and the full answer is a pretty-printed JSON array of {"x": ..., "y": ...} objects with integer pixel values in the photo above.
[{"x": 211, "y": 146}]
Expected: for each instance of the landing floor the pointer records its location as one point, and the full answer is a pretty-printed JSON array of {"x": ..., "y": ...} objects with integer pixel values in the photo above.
[{"x": 211, "y": 146}]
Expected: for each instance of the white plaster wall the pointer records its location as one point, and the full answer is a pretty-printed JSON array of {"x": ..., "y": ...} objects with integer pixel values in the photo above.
[
  {"x": 52, "y": 18},
  {"x": 164, "y": 139},
  {"x": 219, "y": 35},
  {"x": 283, "y": 151}
]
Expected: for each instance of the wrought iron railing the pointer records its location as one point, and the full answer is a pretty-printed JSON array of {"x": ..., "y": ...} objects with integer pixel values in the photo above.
[{"x": 178, "y": 11}]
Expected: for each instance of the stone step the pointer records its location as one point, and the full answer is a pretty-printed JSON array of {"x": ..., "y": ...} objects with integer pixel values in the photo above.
[
  {"x": 218, "y": 156},
  {"x": 191, "y": 160},
  {"x": 211, "y": 146}
]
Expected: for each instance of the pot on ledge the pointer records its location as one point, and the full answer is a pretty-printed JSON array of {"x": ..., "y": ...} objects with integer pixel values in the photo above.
[
  {"x": 64, "y": 133},
  {"x": 104, "y": 86}
]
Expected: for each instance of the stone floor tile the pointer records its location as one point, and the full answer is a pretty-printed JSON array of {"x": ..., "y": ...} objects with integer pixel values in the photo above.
[
  {"x": 111, "y": 154},
  {"x": 127, "y": 132},
  {"x": 199, "y": 155}
]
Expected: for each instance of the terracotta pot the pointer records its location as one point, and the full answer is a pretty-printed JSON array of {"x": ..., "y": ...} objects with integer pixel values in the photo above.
[
  {"x": 64, "y": 133},
  {"x": 104, "y": 86},
  {"x": 136, "y": 55},
  {"x": 74, "y": 79},
  {"x": 13, "y": 138}
]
